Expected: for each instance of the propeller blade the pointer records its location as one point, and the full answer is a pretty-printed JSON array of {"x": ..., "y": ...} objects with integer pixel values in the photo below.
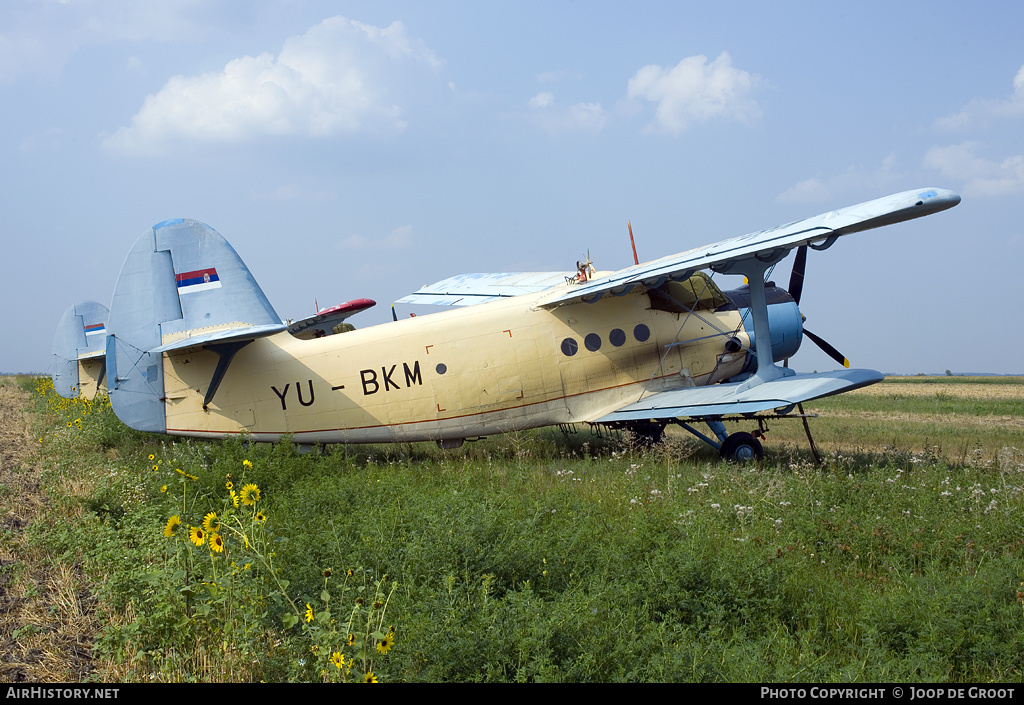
[
  {"x": 828, "y": 349},
  {"x": 796, "y": 279}
]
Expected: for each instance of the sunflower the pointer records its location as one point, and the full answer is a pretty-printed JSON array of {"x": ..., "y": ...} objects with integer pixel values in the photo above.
[
  {"x": 260, "y": 517},
  {"x": 196, "y": 535},
  {"x": 351, "y": 641},
  {"x": 338, "y": 660},
  {"x": 234, "y": 498},
  {"x": 247, "y": 464},
  {"x": 369, "y": 678},
  {"x": 216, "y": 543},
  {"x": 210, "y": 523},
  {"x": 385, "y": 644},
  {"x": 172, "y": 525},
  {"x": 309, "y": 613},
  {"x": 250, "y": 494},
  {"x": 229, "y": 485},
  {"x": 152, "y": 457}
]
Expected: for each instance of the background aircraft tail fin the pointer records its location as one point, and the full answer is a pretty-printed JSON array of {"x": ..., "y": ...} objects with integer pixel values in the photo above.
[
  {"x": 80, "y": 336},
  {"x": 182, "y": 284}
]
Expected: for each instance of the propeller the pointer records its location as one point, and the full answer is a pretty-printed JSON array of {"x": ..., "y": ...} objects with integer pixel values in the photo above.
[
  {"x": 827, "y": 349},
  {"x": 584, "y": 270},
  {"x": 796, "y": 287},
  {"x": 796, "y": 279}
]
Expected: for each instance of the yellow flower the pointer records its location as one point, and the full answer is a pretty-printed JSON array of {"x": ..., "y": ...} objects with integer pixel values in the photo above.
[
  {"x": 152, "y": 457},
  {"x": 351, "y": 641},
  {"x": 369, "y": 678},
  {"x": 172, "y": 525},
  {"x": 210, "y": 522},
  {"x": 234, "y": 498},
  {"x": 250, "y": 494},
  {"x": 338, "y": 660},
  {"x": 260, "y": 517},
  {"x": 196, "y": 535},
  {"x": 216, "y": 543},
  {"x": 228, "y": 484},
  {"x": 247, "y": 464},
  {"x": 163, "y": 488},
  {"x": 309, "y": 613},
  {"x": 385, "y": 644}
]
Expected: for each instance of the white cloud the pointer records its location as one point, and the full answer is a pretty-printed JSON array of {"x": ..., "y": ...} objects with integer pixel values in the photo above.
[
  {"x": 337, "y": 77},
  {"x": 807, "y": 191},
  {"x": 980, "y": 112},
  {"x": 292, "y": 192},
  {"x": 398, "y": 239},
  {"x": 557, "y": 75},
  {"x": 695, "y": 91},
  {"x": 855, "y": 180},
  {"x": 554, "y": 119},
  {"x": 980, "y": 176},
  {"x": 47, "y": 140},
  {"x": 40, "y": 38},
  {"x": 542, "y": 100}
]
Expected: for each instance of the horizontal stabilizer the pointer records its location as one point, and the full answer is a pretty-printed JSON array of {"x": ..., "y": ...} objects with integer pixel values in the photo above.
[
  {"x": 738, "y": 398},
  {"x": 227, "y": 335},
  {"x": 471, "y": 289}
]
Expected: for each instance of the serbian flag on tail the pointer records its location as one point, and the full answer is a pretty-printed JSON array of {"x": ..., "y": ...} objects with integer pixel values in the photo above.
[
  {"x": 95, "y": 329},
  {"x": 199, "y": 280}
]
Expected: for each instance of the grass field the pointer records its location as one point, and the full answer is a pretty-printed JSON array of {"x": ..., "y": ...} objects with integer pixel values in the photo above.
[{"x": 527, "y": 557}]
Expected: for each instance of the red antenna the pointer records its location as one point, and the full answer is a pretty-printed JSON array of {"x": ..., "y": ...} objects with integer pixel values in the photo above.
[{"x": 636, "y": 260}]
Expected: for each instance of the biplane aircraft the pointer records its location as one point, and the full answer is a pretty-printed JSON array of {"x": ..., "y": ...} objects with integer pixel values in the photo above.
[
  {"x": 194, "y": 348},
  {"x": 79, "y": 350}
]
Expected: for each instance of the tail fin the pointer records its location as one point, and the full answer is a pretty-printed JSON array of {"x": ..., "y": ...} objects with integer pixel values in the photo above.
[
  {"x": 181, "y": 285},
  {"x": 78, "y": 345}
]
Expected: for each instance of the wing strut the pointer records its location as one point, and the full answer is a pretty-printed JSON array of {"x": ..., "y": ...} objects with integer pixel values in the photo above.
[{"x": 754, "y": 269}]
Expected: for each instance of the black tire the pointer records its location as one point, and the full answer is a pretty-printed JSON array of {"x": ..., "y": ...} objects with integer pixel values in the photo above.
[{"x": 741, "y": 448}]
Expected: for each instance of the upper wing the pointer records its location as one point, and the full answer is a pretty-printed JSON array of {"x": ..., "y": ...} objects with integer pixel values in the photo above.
[
  {"x": 739, "y": 398},
  {"x": 820, "y": 231},
  {"x": 469, "y": 289}
]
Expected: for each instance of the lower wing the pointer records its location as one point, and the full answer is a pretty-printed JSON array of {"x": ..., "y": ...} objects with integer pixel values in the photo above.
[{"x": 740, "y": 398}]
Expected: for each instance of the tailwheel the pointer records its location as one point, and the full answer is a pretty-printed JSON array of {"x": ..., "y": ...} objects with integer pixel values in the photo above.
[{"x": 742, "y": 447}]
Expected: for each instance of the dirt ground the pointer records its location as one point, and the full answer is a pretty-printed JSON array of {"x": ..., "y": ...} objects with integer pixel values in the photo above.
[{"x": 46, "y": 607}]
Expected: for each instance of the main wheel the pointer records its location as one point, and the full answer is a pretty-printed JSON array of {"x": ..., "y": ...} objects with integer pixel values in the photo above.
[{"x": 742, "y": 447}]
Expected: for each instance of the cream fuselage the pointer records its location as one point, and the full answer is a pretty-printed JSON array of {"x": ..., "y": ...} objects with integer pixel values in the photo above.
[
  {"x": 466, "y": 372},
  {"x": 91, "y": 378}
]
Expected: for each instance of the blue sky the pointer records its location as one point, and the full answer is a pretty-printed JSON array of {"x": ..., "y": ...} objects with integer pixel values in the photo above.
[{"x": 363, "y": 149}]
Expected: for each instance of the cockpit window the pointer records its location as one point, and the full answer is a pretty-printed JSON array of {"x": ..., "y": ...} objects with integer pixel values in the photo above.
[{"x": 698, "y": 293}]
